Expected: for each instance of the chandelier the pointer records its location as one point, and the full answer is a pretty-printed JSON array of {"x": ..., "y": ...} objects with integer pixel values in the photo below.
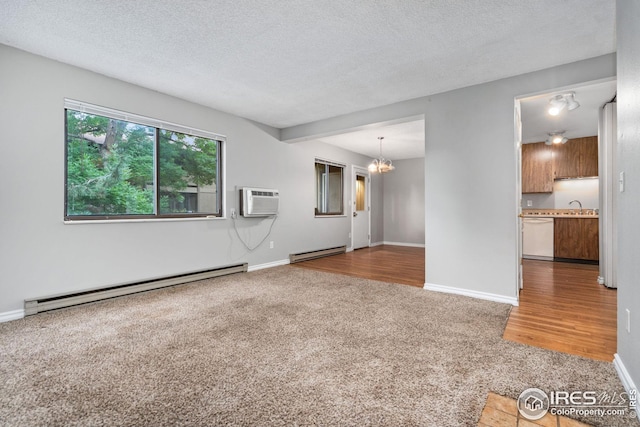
[{"x": 381, "y": 165}]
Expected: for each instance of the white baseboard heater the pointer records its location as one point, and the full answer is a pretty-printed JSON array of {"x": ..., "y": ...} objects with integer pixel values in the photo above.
[
  {"x": 38, "y": 305},
  {"x": 306, "y": 256}
]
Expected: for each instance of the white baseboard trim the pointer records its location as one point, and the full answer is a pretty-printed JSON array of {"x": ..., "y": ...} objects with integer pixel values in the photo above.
[
  {"x": 268, "y": 265},
  {"x": 473, "y": 294},
  {"x": 11, "y": 315},
  {"x": 410, "y": 245},
  {"x": 376, "y": 244},
  {"x": 625, "y": 378}
]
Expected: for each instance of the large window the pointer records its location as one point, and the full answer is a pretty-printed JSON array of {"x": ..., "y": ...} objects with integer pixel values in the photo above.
[
  {"x": 122, "y": 166},
  {"x": 329, "y": 184}
]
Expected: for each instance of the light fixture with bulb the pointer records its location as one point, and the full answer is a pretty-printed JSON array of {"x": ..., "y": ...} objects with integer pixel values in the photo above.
[
  {"x": 381, "y": 165},
  {"x": 562, "y": 101},
  {"x": 556, "y": 138}
]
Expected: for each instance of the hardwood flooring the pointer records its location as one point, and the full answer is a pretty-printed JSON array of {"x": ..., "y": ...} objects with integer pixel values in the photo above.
[
  {"x": 563, "y": 308},
  {"x": 394, "y": 264}
]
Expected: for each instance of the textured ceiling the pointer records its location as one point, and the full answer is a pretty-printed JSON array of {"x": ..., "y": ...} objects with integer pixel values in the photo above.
[
  {"x": 284, "y": 63},
  {"x": 401, "y": 141}
]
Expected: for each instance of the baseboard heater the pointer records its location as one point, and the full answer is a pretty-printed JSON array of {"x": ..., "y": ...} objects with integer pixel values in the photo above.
[
  {"x": 306, "y": 256},
  {"x": 38, "y": 305}
]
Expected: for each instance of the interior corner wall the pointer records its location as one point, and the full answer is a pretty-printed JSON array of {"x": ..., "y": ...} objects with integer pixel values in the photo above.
[
  {"x": 377, "y": 208},
  {"x": 628, "y": 159},
  {"x": 40, "y": 255},
  {"x": 403, "y": 191}
]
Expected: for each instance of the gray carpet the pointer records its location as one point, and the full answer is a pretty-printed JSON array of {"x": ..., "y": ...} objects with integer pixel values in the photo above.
[{"x": 284, "y": 346}]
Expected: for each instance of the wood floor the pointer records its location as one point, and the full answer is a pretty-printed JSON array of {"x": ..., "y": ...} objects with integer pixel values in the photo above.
[
  {"x": 563, "y": 308},
  {"x": 395, "y": 264}
]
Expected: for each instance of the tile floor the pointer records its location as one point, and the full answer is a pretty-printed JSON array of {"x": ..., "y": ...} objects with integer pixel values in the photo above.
[{"x": 500, "y": 411}]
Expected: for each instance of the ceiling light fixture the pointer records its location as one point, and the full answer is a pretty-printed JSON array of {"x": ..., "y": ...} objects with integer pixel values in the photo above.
[
  {"x": 556, "y": 138},
  {"x": 562, "y": 101},
  {"x": 381, "y": 165}
]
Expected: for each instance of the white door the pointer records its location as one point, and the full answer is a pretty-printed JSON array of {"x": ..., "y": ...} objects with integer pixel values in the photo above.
[
  {"x": 609, "y": 186},
  {"x": 360, "y": 221}
]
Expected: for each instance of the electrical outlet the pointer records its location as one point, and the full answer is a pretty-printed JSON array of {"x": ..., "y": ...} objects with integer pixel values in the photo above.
[
  {"x": 233, "y": 213},
  {"x": 271, "y": 244},
  {"x": 529, "y": 203},
  {"x": 628, "y": 321}
]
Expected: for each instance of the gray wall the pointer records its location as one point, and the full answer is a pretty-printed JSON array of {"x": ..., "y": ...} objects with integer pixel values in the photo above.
[
  {"x": 628, "y": 36},
  {"x": 40, "y": 255},
  {"x": 403, "y": 191},
  {"x": 377, "y": 207},
  {"x": 470, "y": 179}
]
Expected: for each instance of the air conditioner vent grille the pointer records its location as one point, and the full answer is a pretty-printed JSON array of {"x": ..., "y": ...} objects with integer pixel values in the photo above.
[{"x": 257, "y": 202}]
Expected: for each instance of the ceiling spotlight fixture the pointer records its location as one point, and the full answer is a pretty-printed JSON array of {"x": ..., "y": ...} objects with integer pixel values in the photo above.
[
  {"x": 556, "y": 138},
  {"x": 562, "y": 101},
  {"x": 381, "y": 165}
]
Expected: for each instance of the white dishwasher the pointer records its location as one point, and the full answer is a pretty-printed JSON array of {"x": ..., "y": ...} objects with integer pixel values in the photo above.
[{"x": 537, "y": 238}]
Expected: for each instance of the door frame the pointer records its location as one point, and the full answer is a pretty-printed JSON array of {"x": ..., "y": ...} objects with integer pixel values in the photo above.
[
  {"x": 363, "y": 171},
  {"x": 517, "y": 117},
  {"x": 609, "y": 177}
]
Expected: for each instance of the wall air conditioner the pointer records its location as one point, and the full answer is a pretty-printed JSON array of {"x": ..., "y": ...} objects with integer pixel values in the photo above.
[{"x": 256, "y": 202}]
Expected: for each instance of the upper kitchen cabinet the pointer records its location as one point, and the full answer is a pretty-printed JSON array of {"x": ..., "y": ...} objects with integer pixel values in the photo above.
[
  {"x": 537, "y": 168},
  {"x": 577, "y": 158}
]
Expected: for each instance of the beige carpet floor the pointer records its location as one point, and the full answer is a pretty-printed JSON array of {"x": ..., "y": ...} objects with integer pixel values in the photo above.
[{"x": 284, "y": 346}]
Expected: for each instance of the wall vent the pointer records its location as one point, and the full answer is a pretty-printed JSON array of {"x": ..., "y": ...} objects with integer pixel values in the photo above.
[
  {"x": 38, "y": 305},
  {"x": 306, "y": 256}
]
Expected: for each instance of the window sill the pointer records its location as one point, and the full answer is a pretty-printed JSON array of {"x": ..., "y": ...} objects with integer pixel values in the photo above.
[
  {"x": 331, "y": 216},
  {"x": 118, "y": 221}
]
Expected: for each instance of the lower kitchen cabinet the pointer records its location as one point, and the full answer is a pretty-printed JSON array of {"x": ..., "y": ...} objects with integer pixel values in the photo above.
[{"x": 576, "y": 238}]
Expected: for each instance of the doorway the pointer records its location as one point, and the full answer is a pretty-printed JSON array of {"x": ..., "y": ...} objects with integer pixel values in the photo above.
[
  {"x": 561, "y": 305},
  {"x": 560, "y": 174},
  {"x": 361, "y": 212}
]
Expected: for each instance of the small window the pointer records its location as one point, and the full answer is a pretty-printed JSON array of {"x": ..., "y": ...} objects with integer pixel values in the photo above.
[
  {"x": 329, "y": 185},
  {"x": 124, "y": 166},
  {"x": 361, "y": 194}
]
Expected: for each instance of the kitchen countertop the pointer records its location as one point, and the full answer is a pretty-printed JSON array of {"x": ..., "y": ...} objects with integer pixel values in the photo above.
[{"x": 559, "y": 213}]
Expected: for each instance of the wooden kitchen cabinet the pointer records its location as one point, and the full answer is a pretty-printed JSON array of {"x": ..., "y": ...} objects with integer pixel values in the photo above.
[
  {"x": 537, "y": 168},
  {"x": 591, "y": 241},
  {"x": 576, "y": 159},
  {"x": 576, "y": 238}
]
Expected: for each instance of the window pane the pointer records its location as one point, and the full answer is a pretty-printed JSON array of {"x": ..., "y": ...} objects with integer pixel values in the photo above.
[
  {"x": 187, "y": 174},
  {"x": 110, "y": 166},
  {"x": 328, "y": 189},
  {"x": 360, "y": 193}
]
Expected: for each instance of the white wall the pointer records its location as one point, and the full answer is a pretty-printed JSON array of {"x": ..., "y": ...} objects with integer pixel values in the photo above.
[
  {"x": 403, "y": 191},
  {"x": 628, "y": 38},
  {"x": 40, "y": 255},
  {"x": 565, "y": 190},
  {"x": 470, "y": 172}
]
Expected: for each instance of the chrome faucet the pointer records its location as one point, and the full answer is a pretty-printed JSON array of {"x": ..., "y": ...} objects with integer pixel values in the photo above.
[{"x": 578, "y": 202}]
